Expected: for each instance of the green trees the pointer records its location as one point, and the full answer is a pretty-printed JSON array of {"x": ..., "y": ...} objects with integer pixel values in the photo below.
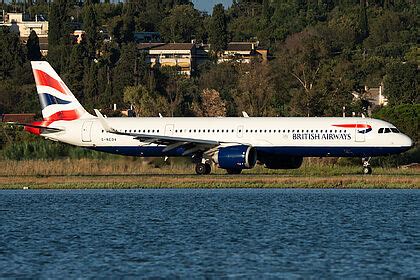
[
  {"x": 75, "y": 74},
  {"x": 32, "y": 46},
  {"x": 58, "y": 17},
  {"x": 218, "y": 37},
  {"x": 255, "y": 93},
  {"x": 143, "y": 101},
  {"x": 323, "y": 51},
  {"x": 12, "y": 53},
  {"x": 401, "y": 83},
  {"x": 182, "y": 24},
  {"x": 90, "y": 26},
  {"x": 406, "y": 117}
]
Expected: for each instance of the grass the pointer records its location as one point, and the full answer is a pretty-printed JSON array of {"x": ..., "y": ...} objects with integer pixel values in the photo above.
[
  {"x": 128, "y": 166},
  {"x": 129, "y": 173}
]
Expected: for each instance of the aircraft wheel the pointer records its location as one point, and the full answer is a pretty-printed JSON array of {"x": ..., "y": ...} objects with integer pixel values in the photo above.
[
  {"x": 367, "y": 170},
  {"x": 201, "y": 168},
  {"x": 208, "y": 168},
  {"x": 234, "y": 171}
]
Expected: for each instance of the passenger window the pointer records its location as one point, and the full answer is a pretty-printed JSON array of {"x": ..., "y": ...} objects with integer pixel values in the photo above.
[{"x": 387, "y": 130}]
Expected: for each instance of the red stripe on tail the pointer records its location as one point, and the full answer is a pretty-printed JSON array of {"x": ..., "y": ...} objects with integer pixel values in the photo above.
[
  {"x": 43, "y": 79},
  {"x": 70, "y": 115}
]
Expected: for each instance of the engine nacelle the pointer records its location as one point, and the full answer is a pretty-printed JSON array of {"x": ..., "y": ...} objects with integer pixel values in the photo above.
[
  {"x": 281, "y": 162},
  {"x": 236, "y": 157}
]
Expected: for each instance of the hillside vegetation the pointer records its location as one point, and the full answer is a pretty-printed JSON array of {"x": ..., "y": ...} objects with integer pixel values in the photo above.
[{"x": 320, "y": 53}]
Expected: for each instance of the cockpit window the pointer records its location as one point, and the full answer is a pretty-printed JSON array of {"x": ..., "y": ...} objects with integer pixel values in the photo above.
[
  {"x": 381, "y": 130},
  {"x": 387, "y": 130},
  {"x": 395, "y": 130}
]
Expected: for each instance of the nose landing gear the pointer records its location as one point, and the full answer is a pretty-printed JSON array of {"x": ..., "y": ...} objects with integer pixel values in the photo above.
[{"x": 367, "y": 170}]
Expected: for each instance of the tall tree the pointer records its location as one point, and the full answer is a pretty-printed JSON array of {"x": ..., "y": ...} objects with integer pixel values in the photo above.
[
  {"x": 78, "y": 62},
  {"x": 255, "y": 93},
  {"x": 90, "y": 80},
  {"x": 57, "y": 21},
  {"x": 364, "y": 28},
  {"x": 218, "y": 37},
  {"x": 90, "y": 25},
  {"x": 12, "y": 53},
  {"x": 182, "y": 24},
  {"x": 125, "y": 71},
  {"x": 143, "y": 101},
  {"x": 32, "y": 45}
]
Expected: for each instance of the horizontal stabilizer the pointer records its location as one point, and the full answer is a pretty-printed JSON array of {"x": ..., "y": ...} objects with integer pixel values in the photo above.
[{"x": 54, "y": 129}]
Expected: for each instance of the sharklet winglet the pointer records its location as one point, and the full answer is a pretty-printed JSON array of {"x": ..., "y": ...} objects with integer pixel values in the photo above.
[{"x": 103, "y": 122}]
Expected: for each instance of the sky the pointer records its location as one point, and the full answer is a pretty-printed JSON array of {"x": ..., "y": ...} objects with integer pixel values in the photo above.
[{"x": 207, "y": 5}]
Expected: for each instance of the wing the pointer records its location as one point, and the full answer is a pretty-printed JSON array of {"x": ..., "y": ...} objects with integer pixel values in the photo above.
[{"x": 191, "y": 145}]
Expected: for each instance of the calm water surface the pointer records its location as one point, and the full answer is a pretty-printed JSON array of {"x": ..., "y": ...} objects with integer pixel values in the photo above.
[{"x": 243, "y": 233}]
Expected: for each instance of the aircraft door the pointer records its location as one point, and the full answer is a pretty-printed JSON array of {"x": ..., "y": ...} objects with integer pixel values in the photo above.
[
  {"x": 240, "y": 131},
  {"x": 87, "y": 131},
  {"x": 169, "y": 130},
  {"x": 360, "y": 132}
]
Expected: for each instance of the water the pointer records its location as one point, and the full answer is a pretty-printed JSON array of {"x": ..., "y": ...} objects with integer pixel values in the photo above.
[{"x": 244, "y": 233}]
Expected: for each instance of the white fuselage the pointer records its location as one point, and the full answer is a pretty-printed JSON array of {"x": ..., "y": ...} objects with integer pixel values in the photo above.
[{"x": 283, "y": 136}]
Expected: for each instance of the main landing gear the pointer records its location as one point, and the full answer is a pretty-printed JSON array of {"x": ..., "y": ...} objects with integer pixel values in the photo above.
[
  {"x": 203, "y": 168},
  {"x": 202, "y": 165},
  {"x": 367, "y": 170}
]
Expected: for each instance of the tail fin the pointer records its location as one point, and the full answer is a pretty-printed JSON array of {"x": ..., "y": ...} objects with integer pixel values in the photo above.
[{"x": 57, "y": 101}]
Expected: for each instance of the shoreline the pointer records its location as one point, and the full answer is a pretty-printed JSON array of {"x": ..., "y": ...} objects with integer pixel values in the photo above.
[{"x": 172, "y": 181}]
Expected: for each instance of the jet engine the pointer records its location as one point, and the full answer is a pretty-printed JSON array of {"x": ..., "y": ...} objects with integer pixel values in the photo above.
[{"x": 236, "y": 157}]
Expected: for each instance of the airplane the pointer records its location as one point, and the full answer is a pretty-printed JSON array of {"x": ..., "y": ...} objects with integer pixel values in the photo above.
[{"x": 231, "y": 143}]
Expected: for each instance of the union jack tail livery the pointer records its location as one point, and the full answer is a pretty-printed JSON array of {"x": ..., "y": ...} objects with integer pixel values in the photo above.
[{"x": 57, "y": 101}]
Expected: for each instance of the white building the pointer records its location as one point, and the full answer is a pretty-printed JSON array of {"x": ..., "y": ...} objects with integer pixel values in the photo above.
[
  {"x": 19, "y": 24},
  {"x": 181, "y": 55}
]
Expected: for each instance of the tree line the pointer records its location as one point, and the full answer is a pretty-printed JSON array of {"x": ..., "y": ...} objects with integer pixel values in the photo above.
[{"x": 321, "y": 53}]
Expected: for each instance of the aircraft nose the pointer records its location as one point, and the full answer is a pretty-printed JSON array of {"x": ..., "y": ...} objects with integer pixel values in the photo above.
[
  {"x": 411, "y": 142},
  {"x": 408, "y": 142}
]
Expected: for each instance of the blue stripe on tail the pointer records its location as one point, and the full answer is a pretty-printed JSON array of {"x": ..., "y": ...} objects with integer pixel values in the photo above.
[{"x": 48, "y": 99}]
